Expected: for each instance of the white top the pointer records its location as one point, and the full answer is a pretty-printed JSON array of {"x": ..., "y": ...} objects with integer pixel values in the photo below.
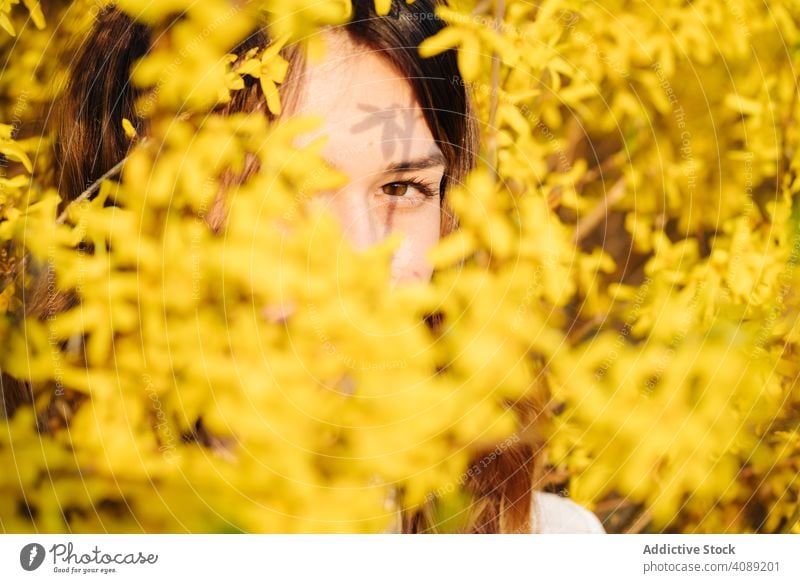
[
  {"x": 553, "y": 514},
  {"x": 550, "y": 514}
]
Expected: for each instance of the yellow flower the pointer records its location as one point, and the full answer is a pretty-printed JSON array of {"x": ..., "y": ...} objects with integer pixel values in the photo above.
[{"x": 270, "y": 69}]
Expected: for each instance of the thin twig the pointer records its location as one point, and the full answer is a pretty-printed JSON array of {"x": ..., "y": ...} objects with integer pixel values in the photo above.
[
  {"x": 788, "y": 122},
  {"x": 494, "y": 98},
  {"x": 584, "y": 328},
  {"x": 597, "y": 172},
  {"x": 92, "y": 189},
  {"x": 598, "y": 213},
  {"x": 481, "y": 7},
  {"x": 607, "y": 165}
]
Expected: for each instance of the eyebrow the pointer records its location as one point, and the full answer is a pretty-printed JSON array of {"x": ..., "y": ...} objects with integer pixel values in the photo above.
[{"x": 422, "y": 163}]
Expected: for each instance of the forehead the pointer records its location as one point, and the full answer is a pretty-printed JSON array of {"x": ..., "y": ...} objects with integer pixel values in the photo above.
[{"x": 371, "y": 115}]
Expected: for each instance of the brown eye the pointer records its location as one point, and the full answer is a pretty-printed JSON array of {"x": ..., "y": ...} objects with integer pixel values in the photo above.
[{"x": 395, "y": 188}]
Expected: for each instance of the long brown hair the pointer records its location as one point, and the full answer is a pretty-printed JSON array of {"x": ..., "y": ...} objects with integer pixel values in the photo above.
[{"x": 90, "y": 141}]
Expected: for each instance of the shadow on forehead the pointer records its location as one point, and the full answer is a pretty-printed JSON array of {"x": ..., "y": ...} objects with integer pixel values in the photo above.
[{"x": 397, "y": 122}]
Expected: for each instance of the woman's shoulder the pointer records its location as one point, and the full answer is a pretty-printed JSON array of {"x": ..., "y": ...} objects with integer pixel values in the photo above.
[{"x": 553, "y": 514}]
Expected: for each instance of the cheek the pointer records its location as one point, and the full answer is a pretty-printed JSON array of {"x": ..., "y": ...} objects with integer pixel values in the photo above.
[{"x": 421, "y": 232}]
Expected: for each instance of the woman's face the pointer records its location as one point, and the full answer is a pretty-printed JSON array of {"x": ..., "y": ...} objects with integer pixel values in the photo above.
[{"x": 376, "y": 135}]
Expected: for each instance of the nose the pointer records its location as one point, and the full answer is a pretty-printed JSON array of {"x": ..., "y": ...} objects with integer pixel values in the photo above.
[{"x": 358, "y": 218}]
